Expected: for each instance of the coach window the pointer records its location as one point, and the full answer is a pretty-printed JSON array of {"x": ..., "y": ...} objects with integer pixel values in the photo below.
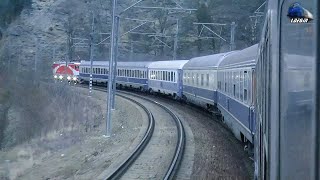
[
  {"x": 241, "y": 85},
  {"x": 94, "y": 70},
  {"x": 202, "y": 79},
  {"x": 245, "y": 86},
  {"x": 238, "y": 85},
  {"x": 174, "y": 76},
  {"x": 230, "y": 82}
]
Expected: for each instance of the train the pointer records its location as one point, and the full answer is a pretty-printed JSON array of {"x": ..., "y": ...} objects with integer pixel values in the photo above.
[
  {"x": 66, "y": 71},
  {"x": 267, "y": 93},
  {"x": 222, "y": 82}
]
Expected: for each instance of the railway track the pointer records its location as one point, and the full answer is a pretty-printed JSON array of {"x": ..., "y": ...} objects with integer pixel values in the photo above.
[{"x": 177, "y": 156}]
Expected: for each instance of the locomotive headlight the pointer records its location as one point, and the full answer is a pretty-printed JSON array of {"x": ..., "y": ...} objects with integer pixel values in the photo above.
[
  {"x": 74, "y": 78},
  {"x": 69, "y": 78},
  {"x": 55, "y": 76},
  {"x": 60, "y": 77}
]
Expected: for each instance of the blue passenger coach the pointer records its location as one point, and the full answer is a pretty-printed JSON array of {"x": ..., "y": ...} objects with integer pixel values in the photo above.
[
  {"x": 133, "y": 75},
  {"x": 166, "y": 77},
  {"x": 235, "y": 92},
  {"x": 100, "y": 71},
  {"x": 200, "y": 80}
]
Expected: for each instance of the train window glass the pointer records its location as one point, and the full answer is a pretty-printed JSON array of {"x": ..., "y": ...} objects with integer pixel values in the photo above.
[
  {"x": 202, "y": 79},
  {"x": 238, "y": 85},
  {"x": 229, "y": 83},
  {"x": 197, "y": 79},
  {"x": 208, "y": 79},
  {"x": 241, "y": 85},
  {"x": 94, "y": 70},
  {"x": 192, "y": 76},
  {"x": 245, "y": 95},
  {"x": 234, "y": 90},
  {"x": 174, "y": 76}
]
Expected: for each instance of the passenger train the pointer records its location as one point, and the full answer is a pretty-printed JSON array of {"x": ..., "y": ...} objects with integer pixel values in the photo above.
[{"x": 265, "y": 93}]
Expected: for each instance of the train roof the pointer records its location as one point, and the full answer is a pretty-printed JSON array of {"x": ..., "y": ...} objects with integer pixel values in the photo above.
[
  {"x": 242, "y": 58},
  {"x": 63, "y": 62},
  {"x": 136, "y": 64},
  {"x": 205, "y": 62},
  {"x": 95, "y": 63},
  {"x": 173, "y": 64}
]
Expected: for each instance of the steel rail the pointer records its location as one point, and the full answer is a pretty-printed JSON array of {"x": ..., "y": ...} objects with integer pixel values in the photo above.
[
  {"x": 180, "y": 146},
  {"x": 178, "y": 155},
  {"x": 116, "y": 174}
]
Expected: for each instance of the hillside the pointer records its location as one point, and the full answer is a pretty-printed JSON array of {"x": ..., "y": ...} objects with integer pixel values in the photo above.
[{"x": 33, "y": 34}]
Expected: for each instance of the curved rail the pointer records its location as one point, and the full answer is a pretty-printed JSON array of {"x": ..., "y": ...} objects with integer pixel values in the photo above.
[
  {"x": 179, "y": 150},
  {"x": 137, "y": 151},
  {"x": 178, "y": 155}
]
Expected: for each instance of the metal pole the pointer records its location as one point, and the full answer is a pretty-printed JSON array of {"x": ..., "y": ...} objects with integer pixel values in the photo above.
[
  {"x": 175, "y": 47},
  {"x": 112, "y": 51},
  {"x": 115, "y": 62},
  {"x": 232, "y": 44},
  {"x": 91, "y": 54}
]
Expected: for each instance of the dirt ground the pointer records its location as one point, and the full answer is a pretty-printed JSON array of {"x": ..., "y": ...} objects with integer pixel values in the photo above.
[
  {"x": 75, "y": 152},
  {"x": 218, "y": 154}
]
